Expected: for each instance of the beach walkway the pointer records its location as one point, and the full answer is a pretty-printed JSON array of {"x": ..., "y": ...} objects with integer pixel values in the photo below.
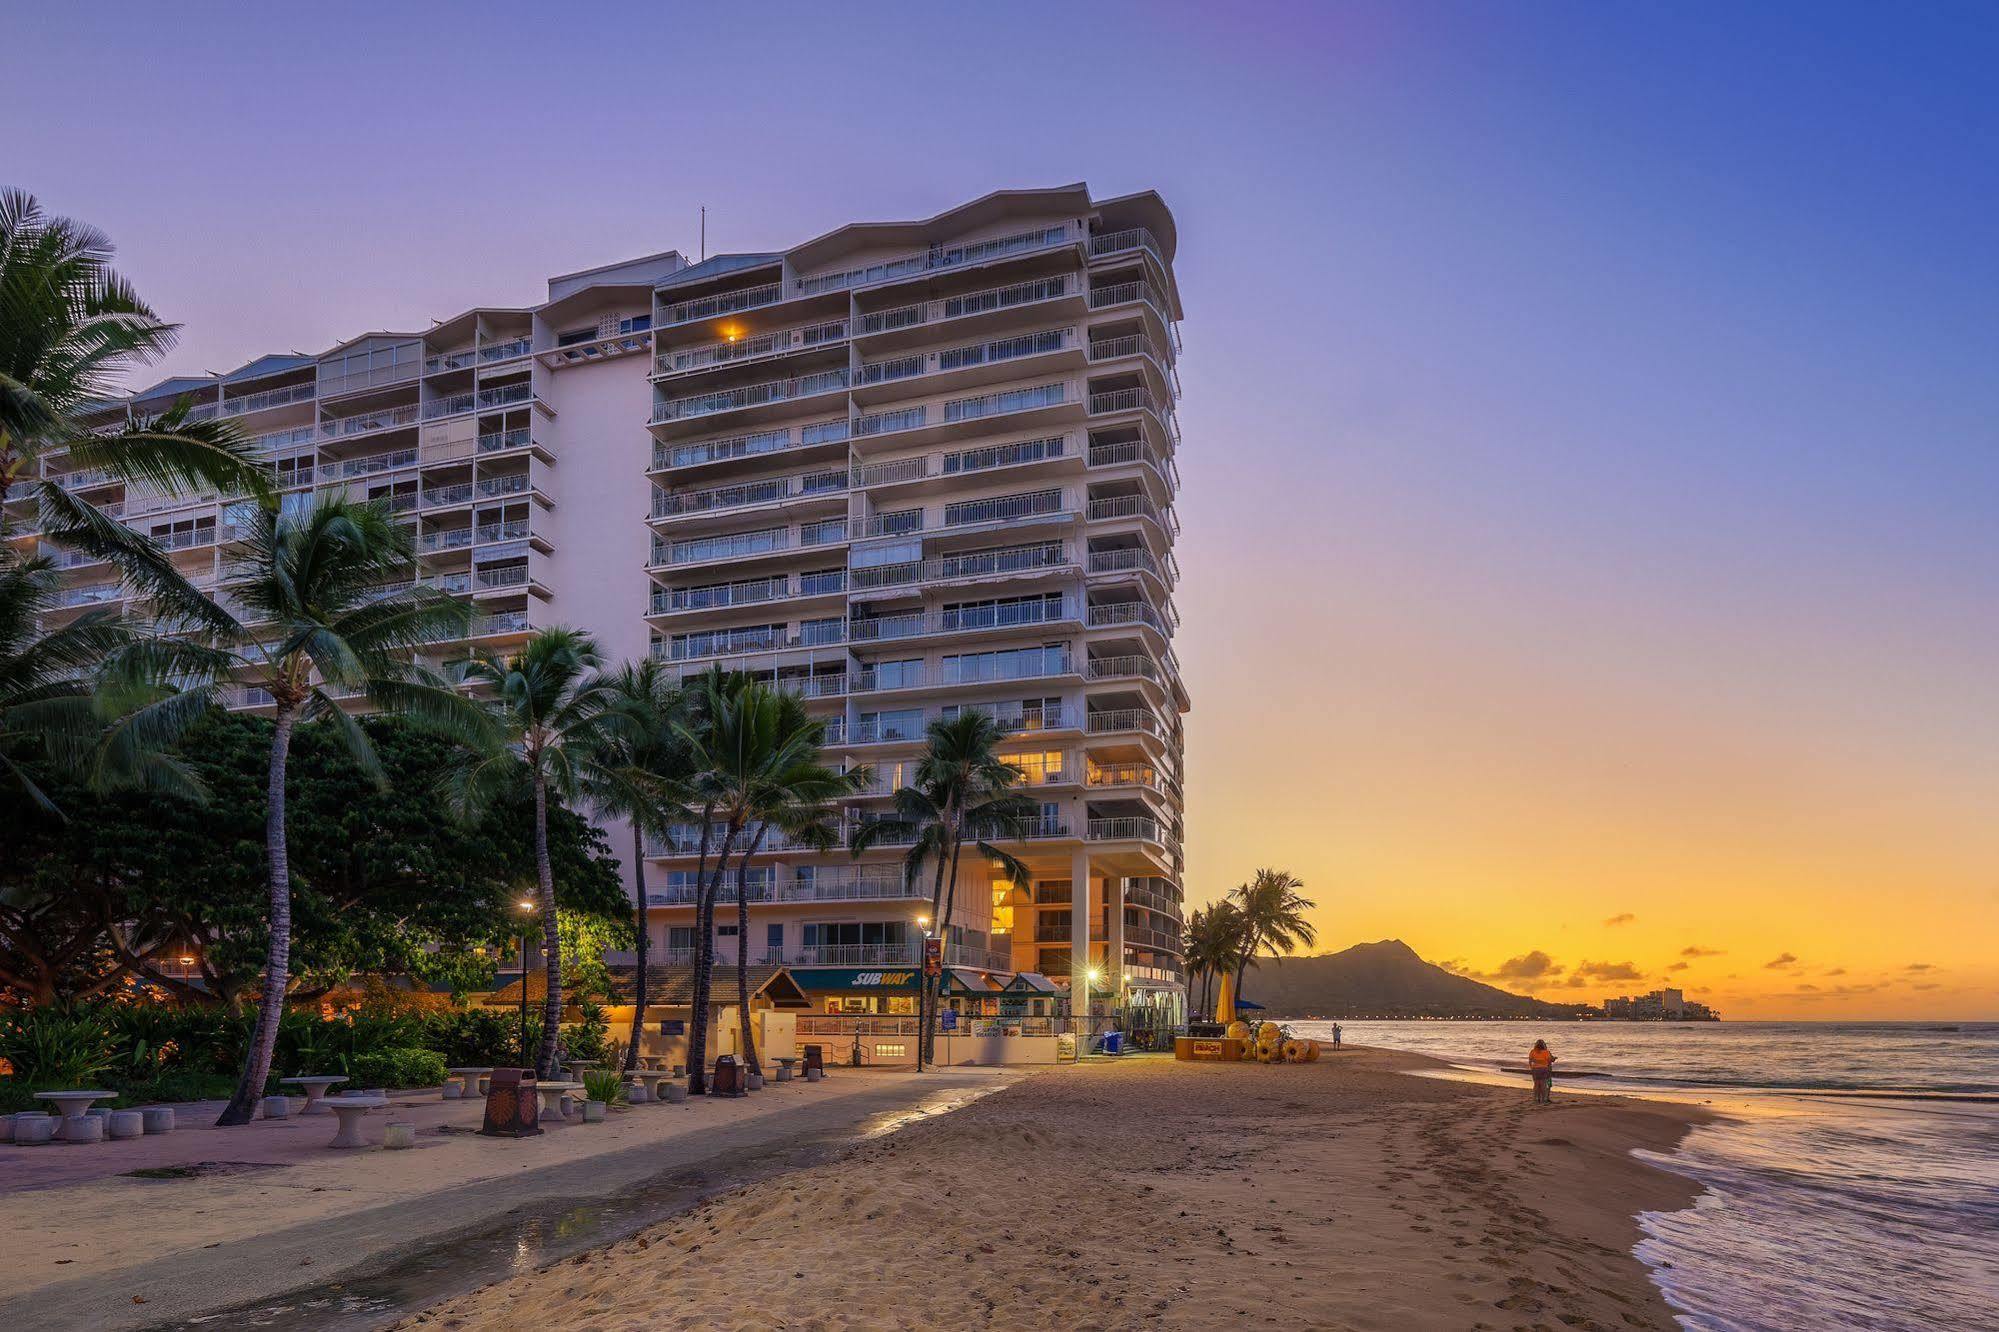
[{"x": 83, "y": 1244}]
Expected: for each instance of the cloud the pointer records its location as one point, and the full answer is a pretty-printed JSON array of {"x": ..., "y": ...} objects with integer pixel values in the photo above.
[
  {"x": 1678, "y": 966},
  {"x": 1695, "y": 950},
  {"x": 1928, "y": 985},
  {"x": 1608, "y": 971},
  {"x": 1779, "y": 962},
  {"x": 1836, "y": 971},
  {"x": 1808, "y": 988},
  {"x": 1533, "y": 966},
  {"x": 1621, "y": 918},
  {"x": 1920, "y": 966}
]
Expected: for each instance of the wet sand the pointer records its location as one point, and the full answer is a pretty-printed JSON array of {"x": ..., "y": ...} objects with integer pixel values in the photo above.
[{"x": 1344, "y": 1194}]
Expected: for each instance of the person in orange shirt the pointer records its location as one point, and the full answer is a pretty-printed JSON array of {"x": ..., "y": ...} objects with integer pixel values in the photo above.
[{"x": 1541, "y": 1064}]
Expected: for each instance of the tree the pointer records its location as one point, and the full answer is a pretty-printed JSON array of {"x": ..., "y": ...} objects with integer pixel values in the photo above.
[
  {"x": 755, "y": 758},
  {"x": 1273, "y": 917},
  {"x": 1214, "y": 944},
  {"x": 963, "y": 790},
  {"x": 70, "y": 329},
  {"x": 311, "y": 586},
  {"x": 547, "y": 710},
  {"x": 638, "y": 773},
  {"x": 89, "y": 698},
  {"x": 128, "y": 884}
]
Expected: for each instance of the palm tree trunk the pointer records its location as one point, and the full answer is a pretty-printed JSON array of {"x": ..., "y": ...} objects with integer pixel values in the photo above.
[
  {"x": 743, "y": 953},
  {"x": 944, "y": 941},
  {"x": 278, "y": 953},
  {"x": 704, "y": 970},
  {"x": 551, "y": 938},
  {"x": 639, "y": 977},
  {"x": 923, "y": 995}
]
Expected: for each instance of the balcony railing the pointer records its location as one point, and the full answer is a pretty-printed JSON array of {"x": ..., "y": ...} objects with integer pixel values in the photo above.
[
  {"x": 754, "y": 444},
  {"x": 749, "y": 493},
  {"x": 915, "y": 624},
  {"x": 727, "y": 642},
  {"x": 1124, "y": 774},
  {"x": 722, "y": 547},
  {"x": 1120, "y": 242},
  {"x": 1121, "y": 613},
  {"x": 380, "y": 462},
  {"x": 497, "y": 440},
  {"x": 1133, "y": 559},
  {"x": 934, "y": 259},
  {"x": 277, "y": 397},
  {"x": 992, "y": 352},
  {"x": 977, "y": 302},
  {"x": 506, "y": 622},
  {"x": 1003, "y": 508},
  {"x": 778, "y": 343},
  {"x": 1123, "y": 293},
  {"x": 439, "y": 496},
  {"x": 504, "y": 351},
  {"x": 750, "y": 395},
  {"x": 973, "y": 564},
  {"x": 1112, "y": 720},
  {"x": 749, "y": 592},
  {"x": 728, "y": 302},
  {"x": 1130, "y": 829},
  {"x": 501, "y": 487},
  {"x": 394, "y": 418},
  {"x": 1127, "y": 667}
]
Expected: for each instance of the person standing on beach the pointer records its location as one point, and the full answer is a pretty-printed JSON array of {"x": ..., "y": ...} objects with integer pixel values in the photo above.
[{"x": 1541, "y": 1065}]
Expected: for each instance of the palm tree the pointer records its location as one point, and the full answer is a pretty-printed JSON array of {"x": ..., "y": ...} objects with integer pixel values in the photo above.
[
  {"x": 1273, "y": 917},
  {"x": 1214, "y": 943},
  {"x": 794, "y": 796},
  {"x": 963, "y": 790},
  {"x": 91, "y": 697},
  {"x": 548, "y": 709},
  {"x": 638, "y": 772},
  {"x": 755, "y": 755},
  {"x": 310, "y": 587},
  {"x": 70, "y": 329}
]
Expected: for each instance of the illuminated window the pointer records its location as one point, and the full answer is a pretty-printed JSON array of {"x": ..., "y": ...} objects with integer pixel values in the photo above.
[
  {"x": 1038, "y": 768},
  {"x": 888, "y": 1051}
]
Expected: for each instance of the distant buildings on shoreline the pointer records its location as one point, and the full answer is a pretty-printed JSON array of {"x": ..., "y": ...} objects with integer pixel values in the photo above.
[{"x": 1658, "y": 1006}]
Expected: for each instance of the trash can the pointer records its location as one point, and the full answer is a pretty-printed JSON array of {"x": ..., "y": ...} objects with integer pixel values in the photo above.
[
  {"x": 728, "y": 1078},
  {"x": 1113, "y": 1042},
  {"x": 814, "y": 1058},
  {"x": 513, "y": 1109}
]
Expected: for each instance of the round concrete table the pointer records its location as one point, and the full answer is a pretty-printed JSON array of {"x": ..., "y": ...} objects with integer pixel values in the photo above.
[
  {"x": 73, "y": 1105},
  {"x": 315, "y": 1090},
  {"x": 464, "y": 1082},
  {"x": 578, "y": 1067},
  {"x": 553, "y": 1098},
  {"x": 351, "y": 1110},
  {"x": 784, "y": 1069},
  {"x": 650, "y": 1078}
]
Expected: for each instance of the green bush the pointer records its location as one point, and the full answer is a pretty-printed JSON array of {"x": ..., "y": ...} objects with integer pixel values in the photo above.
[
  {"x": 58, "y": 1049},
  {"x": 603, "y": 1084},
  {"x": 478, "y": 1037},
  {"x": 401, "y": 1066},
  {"x": 175, "y": 1086}
]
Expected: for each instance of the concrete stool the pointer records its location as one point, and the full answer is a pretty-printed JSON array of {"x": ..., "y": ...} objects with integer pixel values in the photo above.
[
  {"x": 784, "y": 1072},
  {"x": 454, "y": 1089},
  {"x": 399, "y": 1135},
  {"x": 84, "y": 1128},
  {"x": 125, "y": 1124},
  {"x": 636, "y": 1094},
  {"x": 33, "y": 1130},
  {"x": 815, "y": 1075},
  {"x": 277, "y": 1107},
  {"x": 755, "y": 1081},
  {"x": 673, "y": 1093},
  {"x": 101, "y": 1111},
  {"x": 157, "y": 1118}
]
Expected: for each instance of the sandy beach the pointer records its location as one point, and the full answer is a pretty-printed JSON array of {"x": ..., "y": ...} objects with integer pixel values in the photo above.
[{"x": 1346, "y": 1193}]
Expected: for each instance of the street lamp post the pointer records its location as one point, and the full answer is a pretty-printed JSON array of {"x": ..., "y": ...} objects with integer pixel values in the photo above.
[{"x": 527, "y": 911}]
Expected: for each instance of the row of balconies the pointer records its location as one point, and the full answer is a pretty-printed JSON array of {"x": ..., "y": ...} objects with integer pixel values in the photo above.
[{"x": 684, "y": 839}]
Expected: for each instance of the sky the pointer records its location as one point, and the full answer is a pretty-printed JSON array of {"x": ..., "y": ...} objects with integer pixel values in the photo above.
[{"x": 1590, "y": 466}]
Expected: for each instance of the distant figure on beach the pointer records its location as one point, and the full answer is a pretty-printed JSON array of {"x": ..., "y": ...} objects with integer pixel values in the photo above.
[
  {"x": 1336, "y": 1033},
  {"x": 1541, "y": 1064}
]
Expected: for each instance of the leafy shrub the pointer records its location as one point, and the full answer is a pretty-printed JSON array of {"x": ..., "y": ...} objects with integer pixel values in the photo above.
[
  {"x": 175, "y": 1086},
  {"x": 589, "y": 1038},
  {"x": 478, "y": 1037},
  {"x": 603, "y": 1084},
  {"x": 402, "y": 1066},
  {"x": 58, "y": 1049}
]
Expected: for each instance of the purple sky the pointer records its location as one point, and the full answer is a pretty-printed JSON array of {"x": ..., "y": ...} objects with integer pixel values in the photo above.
[{"x": 1591, "y": 473}]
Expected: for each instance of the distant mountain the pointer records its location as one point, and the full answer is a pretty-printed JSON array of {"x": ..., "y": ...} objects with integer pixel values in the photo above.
[{"x": 1383, "y": 979}]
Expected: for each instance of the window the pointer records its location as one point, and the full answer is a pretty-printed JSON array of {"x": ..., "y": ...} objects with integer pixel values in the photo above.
[
  {"x": 680, "y": 938},
  {"x": 904, "y": 674},
  {"x": 774, "y": 937},
  {"x": 725, "y": 931},
  {"x": 891, "y": 1050},
  {"x": 886, "y": 553}
]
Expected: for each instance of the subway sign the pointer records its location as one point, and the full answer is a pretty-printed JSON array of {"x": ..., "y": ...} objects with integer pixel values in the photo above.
[{"x": 849, "y": 978}]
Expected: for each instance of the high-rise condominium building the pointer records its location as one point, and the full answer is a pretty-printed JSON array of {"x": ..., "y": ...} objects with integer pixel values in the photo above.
[{"x": 905, "y": 469}]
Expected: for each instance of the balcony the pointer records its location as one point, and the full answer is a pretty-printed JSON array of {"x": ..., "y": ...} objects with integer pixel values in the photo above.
[
  {"x": 366, "y": 423},
  {"x": 750, "y": 592},
  {"x": 752, "y": 445},
  {"x": 750, "y": 395},
  {"x": 735, "y": 351},
  {"x": 510, "y": 350},
  {"x": 1112, "y": 721},
  {"x": 775, "y": 490},
  {"x": 998, "y": 351},
  {"x": 937, "y": 259},
  {"x": 1127, "y": 293},
  {"x": 1125, "y": 775},
  {"x": 1014, "y": 295},
  {"x": 374, "y": 463},
  {"x": 277, "y": 397},
  {"x": 1005, "y": 509},
  {"x": 503, "y": 623},
  {"x": 973, "y": 564},
  {"x": 919, "y": 624},
  {"x": 1114, "y": 507},
  {"x": 1126, "y": 829},
  {"x": 1123, "y": 613},
  {"x": 728, "y": 302},
  {"x": 1125, "y": 560},
  {"x": 728, "y": 642},
  {"x": 1126, "y": 241}
]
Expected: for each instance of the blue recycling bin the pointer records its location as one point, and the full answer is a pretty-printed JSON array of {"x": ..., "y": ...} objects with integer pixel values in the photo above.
[{"x": 1113, "y": 1042}]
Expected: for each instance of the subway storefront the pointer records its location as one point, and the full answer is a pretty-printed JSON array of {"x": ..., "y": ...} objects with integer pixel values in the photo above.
[{"x": 888, "y": 991}]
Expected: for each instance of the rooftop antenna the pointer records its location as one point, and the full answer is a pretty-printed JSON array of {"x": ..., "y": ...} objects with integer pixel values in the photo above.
[{"x": 704, "y": 233}]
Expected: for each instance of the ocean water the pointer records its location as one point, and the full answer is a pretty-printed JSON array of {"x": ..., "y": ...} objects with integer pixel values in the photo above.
[{"x": 1853, "y": 1183}]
